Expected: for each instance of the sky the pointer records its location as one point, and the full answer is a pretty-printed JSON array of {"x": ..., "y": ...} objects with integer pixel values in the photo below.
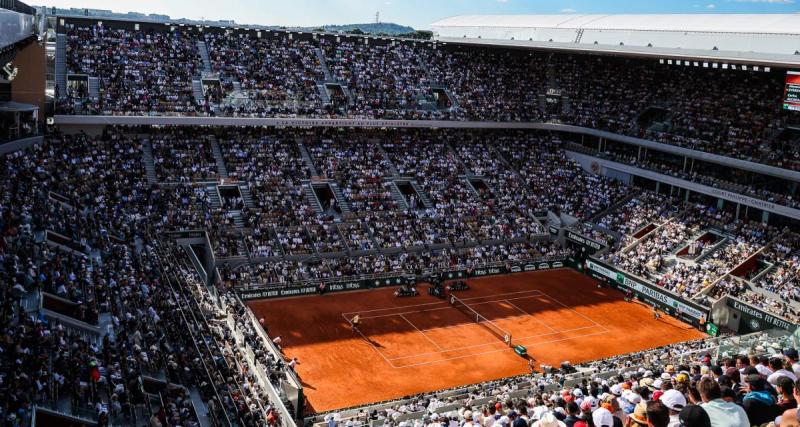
[{"x": 416, "y": 13}]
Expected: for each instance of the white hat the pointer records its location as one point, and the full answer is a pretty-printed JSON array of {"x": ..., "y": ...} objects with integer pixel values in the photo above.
[
  {"x": 577, "y": 392},
  {"x": 548, "y": 420},
  {"x": 666, "y": 376},
  {"x": 602, "y": 418},
  {"x": 673, "y": 399}
]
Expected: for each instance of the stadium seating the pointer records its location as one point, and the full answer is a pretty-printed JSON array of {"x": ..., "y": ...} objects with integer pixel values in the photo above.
[{"x": 714, "y": 110}]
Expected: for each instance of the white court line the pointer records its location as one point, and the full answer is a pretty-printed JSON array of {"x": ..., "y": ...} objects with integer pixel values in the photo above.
[
  {"x": 572, "y": 309},
  {"x": 371, "y": 344},
  {"x": 494, "y": 351},
  {"x": 423, "y": 333},
  {"x": 540, "y": 322},
  {"x": 443, "y": 302},
  {"x": 493, "y": 343},
  {"x": 448, "y": 306}
]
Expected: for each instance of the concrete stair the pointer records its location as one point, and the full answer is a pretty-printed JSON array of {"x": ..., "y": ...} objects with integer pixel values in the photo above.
[
  {"x": 323, "y": 63},
  {"x": 149, "y": 164},
  {"x": 348, "y": 94},
  {"x": 422, "y": 196},
  {"x": 61, "y": 63},
  {"x": 237, "y": 86},
  {"x": 197, "y": 90},
  {"x": 213, "y": 197},
  {"x": 397, "y": 195},
  {"x": 202, "y": 48},
  {"x": 238, "y": 221},
  {"x": 217, "y": 152},
  {"x": 323, "y": 93},
  {"x": 244, "y": 189},
  {"x": 307, "y": 158},
  {"x": 469, "y": 184},
  {"x": 389, "y": 162},
  {"x": 94, "y": 87},
  {"x": 340, "y": 200},
  {"x": 312, "y": 198}
]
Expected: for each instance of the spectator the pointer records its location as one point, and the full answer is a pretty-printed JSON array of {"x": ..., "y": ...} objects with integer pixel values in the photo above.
[{"x": 720, "y": 412}]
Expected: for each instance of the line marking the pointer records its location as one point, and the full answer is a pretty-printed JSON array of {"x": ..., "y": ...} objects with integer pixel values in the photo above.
[
  {"x": 495, "y": 351},
  {"x": 493, "y": 343},
  {"x": 372, "y": 345},
  {"x": 448, "y": 306},
  {"x": 531, "y": 316},
  {"x": 536, "y": 291},
  {"x": 423, "y": 333},
  {"x": 572, "y": 309}
]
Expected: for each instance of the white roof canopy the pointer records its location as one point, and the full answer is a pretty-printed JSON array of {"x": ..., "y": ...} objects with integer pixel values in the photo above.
[{"x": 761, "y": 34}]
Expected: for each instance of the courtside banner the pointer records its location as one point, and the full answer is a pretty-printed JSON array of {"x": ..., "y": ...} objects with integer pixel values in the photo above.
[
  {"x": 357, "y": 284},
  {"x": 332, "y": 286},
  {"x": 755, "y": 320},
  {"x": 673, "y": 304}
]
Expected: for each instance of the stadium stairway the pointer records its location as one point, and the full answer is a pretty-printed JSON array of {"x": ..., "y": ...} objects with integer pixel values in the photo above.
[
  {"x": 397, "y": 195},
  {"x": 203, "y": 50},
  {"x": 500, "y": 156},
  {"x": 94, "y": 87},
  {"x": 217, "y": 152},
  {"x": 149, "y": 164},
  {"x": 389, "y": 162},
  {"x": 340, "y": 200},
  {"x": 323, "y": 63},
  {"x": 247, "y": 198},
  {"x": 61, "y": 63},
  {"x": 307, "y": 158},
  {"x": 312, "y": 198},
  {"x": 614, "y": 206},
  {"x": 238, "y": 221},
  {"x": 422, "y": 196},
  {"x": 323, "y": 93},
  {"x": 213, "y": 196},
  {"x": 348, "y": 94},
  {"x": 197, "y": 90}
]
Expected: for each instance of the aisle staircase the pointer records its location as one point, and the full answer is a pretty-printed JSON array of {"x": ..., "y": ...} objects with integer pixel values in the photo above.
[
  {"x": 311, "y": 197},
  {"x": 94, "y": 87},
  {"x": 149, "y": 164},
  {"x": 307, "y": 158},
  {"x": 398, "y": 195},
  {"x": 61, "y": 63},
  {"x": 197, "y": 90},
  {"x": 422, "y": 196},
  {"x": 340, "y": 200},
  {"x": 217, "y": 152},
  {"x": 323, "y": 64},
  {"x": 202, "y": 48}
]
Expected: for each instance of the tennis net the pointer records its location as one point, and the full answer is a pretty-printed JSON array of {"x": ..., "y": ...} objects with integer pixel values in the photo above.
[{"x": 480, "y": 319}]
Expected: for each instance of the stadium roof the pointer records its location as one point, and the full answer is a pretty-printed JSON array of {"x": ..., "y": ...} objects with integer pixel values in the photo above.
[{"x": 777, "y": 36}]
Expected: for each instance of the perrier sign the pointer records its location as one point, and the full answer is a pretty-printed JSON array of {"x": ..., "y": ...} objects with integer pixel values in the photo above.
[{"x": 712, "y": 329}]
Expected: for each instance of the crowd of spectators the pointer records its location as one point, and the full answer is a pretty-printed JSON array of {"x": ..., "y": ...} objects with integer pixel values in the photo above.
[
  {"x": 721, "y": 111},
  {"x": 140, "y": 72},
  {"x": 685, "y": 384},
  {"x": 105, "y": 270}
]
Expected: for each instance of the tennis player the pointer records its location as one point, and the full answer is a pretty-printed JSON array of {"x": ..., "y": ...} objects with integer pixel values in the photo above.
[{"x": 355, "y": 321}]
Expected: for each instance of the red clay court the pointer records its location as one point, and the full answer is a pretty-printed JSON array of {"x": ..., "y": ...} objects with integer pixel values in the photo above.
[{"x": 412, "y": 345}]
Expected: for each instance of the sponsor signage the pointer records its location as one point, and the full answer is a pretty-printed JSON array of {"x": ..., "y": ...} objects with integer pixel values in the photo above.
[
  {"x": 754, "y": 319},
  {"x": 581, "y": 240},
  {"x": 651, "y": 294},
  {"x": 352, "y": 285}
]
